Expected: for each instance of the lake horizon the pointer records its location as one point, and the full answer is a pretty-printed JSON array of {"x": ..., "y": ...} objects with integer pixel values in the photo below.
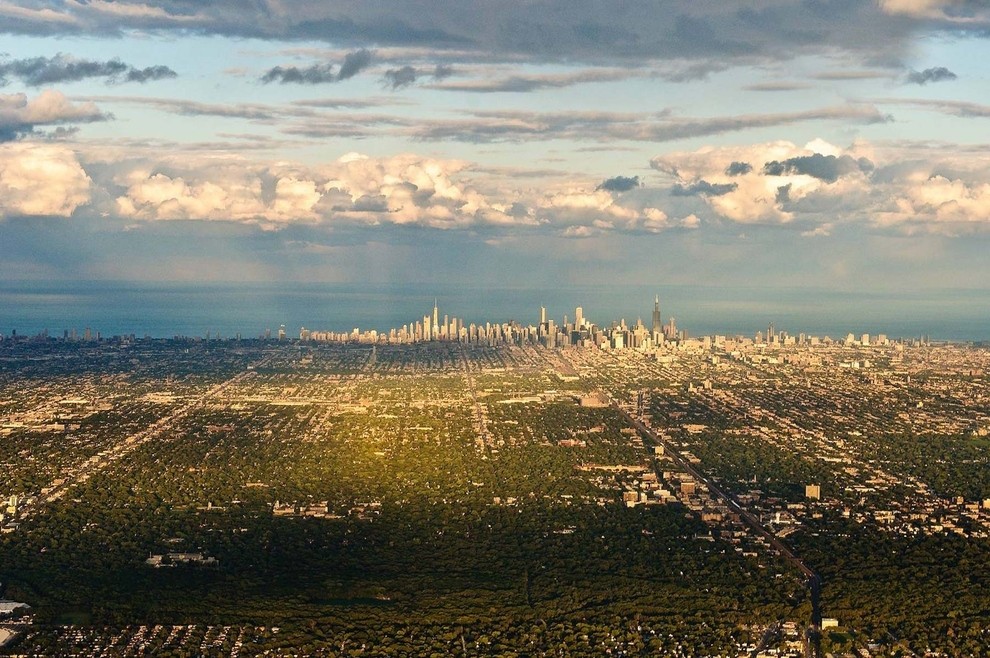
[{"x": 168, "y": 309}]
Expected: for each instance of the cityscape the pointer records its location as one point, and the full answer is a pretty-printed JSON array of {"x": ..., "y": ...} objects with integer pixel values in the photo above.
[
  {"x": 624, "y": 489},
  {"x": 475, "y": 329}
]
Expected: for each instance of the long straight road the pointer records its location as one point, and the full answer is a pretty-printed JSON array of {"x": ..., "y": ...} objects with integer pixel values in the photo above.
[
  {"x": 82, "y": 472},
  {"x": 812, "y": 579}
]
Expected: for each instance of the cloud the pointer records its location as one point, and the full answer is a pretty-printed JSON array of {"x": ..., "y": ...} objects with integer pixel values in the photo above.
[
  {"x": 511, "y": 125},
  {"x": 41, "y": 179},
  {"x": 777, "y": 86},
  {"x": 738, "y": 168},
  {"x": 443, "y": 71},
  {"x": 965, "y": 109},
  {"x": 619, "y": 184},
  {"x": 821, "y": 189},
  {"x": 796, "y": 184},
  {"x": 937, "y": 204},
  {"x": 529, "y": 83},
  {"x": 355, "y": 189},
  {"x": 252, "y": 111},
  {"x": 585, "y": 212},
  {"x": 551, "y": 31},
  {"x": 937, "y": 74},
  {"x": 353, "y": 63},
  {"x": 38, "y": 71},
  {"x": 824, "y": 167},
  {"x": 703, "y": 188},
  {"x": 401, "y": 77},
  {"x": 360, "y": 191},
  {"x": 311, "y": 75},
  {"x": 347, "y": 103},
  {"x": 407, "y": 75},
  {"x": 678, "y": 128},
  {"x": 917, "y": 8},
  {"x": 852, "y": 74},
  {"x": 19, "y": 116},
  {"x": 159, "y": 72}
]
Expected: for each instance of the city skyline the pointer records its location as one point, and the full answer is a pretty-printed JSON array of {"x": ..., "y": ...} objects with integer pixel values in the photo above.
[
  {"x": 614, "y": 334},
  {"x": 780, "y": 144}
]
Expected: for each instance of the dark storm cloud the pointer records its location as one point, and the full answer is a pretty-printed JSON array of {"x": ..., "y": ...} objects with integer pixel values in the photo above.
[
  {"x": 550, "y": 30},
  {"x": 738, "y": 169},
  {"x": 316, "y": 74},
  {"x": 936, "y": 74},
  {"x": 399, "y": 78},
  {"x": 783, "y": 193},
  {"x": 823, "y": 167},
  {"x": 702, "y": 188},
  {"x": 619, "y": 184},
  {"x": 38, "y": 71}
]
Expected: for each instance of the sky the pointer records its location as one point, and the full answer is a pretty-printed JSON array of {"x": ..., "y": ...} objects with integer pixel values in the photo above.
[{"x": 836, "y": 144}]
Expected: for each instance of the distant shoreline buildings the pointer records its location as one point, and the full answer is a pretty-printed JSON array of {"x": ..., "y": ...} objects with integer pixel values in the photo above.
[
  {"x": 580, "y": 333},
  {"x": 618, "y": 335}
]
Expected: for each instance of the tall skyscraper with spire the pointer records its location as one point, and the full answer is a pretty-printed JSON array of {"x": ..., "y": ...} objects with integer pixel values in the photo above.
[{"x": 657, "y": 322}]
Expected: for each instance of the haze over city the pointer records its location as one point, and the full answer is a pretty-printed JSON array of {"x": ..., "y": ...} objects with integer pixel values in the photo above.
[{"x": 836, "y": 145}]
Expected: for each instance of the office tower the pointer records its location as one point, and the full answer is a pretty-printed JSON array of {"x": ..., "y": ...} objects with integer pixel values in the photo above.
[
  {"x": 543, "y": 315},
  {"x": 436, "y": 314},
  {"x": 771, "y": 336},
  {"x": 281, "y": 332},
  {"x": 578, "y": 318},
  {"x": 657, "y": 321}
]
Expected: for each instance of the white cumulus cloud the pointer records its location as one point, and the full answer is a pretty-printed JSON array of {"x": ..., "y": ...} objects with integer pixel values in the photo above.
[{"x": 41, "y": 179}]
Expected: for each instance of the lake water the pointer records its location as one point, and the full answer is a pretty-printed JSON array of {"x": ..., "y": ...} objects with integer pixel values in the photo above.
[{"x": 165, "y": 310}]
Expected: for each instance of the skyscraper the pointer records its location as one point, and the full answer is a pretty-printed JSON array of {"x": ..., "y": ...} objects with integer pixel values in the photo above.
[
  {"x": 578, "y": 317},
  {"x": 543, "y": 315},
  {"x": 657, "y": 322}
]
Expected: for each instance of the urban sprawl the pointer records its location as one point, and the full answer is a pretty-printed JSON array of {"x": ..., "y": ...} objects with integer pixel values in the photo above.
[{"x": 496, "y": 489}]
